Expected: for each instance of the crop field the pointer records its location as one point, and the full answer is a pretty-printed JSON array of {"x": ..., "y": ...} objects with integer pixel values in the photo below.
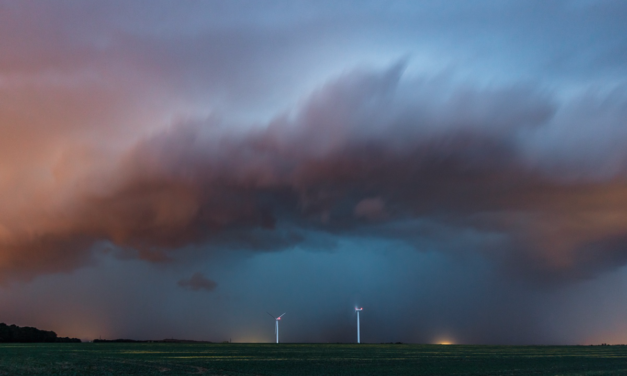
[{"x": 308, "y": 359}]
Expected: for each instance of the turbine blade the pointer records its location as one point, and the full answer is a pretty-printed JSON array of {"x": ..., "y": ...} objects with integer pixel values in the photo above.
[
  {"x": 270, "y": 315},
  {"x": 282, "y": 315}
]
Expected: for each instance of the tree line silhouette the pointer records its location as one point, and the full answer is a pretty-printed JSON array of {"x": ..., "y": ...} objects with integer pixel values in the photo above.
[{"x": 13, "y": 333}]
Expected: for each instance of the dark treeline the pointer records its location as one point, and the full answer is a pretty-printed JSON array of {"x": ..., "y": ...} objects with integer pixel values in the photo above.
[{"x": 13, "y": 333}]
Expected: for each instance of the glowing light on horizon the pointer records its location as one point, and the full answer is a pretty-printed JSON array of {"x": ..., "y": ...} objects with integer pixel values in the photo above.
[{"x": 444, "y": 340}]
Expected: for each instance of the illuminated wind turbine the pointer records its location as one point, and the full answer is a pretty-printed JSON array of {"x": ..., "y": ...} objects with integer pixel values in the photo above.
[
  {"x": 276, "y": 326},
  {"x": 358, "y": 310}
]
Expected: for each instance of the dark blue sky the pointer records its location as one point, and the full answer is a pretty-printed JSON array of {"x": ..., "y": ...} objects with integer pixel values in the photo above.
[{"x": 177, "y": 169}]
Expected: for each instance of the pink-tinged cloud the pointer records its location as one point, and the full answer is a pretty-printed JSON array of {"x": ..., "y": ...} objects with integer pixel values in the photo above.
[{"x": 457, "y": 157}]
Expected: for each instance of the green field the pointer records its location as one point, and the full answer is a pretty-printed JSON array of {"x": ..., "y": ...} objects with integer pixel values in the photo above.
[{"x": 308, "y": 359}]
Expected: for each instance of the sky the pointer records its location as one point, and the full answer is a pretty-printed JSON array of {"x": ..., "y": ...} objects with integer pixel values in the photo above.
[{"x": 177, "y": 169}]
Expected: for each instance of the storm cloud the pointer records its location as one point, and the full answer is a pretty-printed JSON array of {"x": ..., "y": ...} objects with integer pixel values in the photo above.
[{"x": 463, "y": 158}]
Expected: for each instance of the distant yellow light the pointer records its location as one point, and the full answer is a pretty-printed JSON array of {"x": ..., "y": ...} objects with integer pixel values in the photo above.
[{"x": 445, "y": 343}]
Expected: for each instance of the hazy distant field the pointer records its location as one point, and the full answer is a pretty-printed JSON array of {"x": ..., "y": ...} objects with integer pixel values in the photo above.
[{"x": 272, "y": 359}]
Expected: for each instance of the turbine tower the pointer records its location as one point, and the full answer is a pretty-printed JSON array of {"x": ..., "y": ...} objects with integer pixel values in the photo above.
[
  {"x": 358, "y": 310},
  {"x": 276, "y": 326}
]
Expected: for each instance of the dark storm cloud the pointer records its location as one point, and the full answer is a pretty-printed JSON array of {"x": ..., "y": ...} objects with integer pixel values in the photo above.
[
  {"x": 455, "y": 157},
  {"x": 198, "y": 282}
]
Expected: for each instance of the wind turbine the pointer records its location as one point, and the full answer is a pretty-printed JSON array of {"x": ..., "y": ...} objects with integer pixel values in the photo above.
[
  {"x": 358, "y": 310},
  {"x": 276, "y": 326}
]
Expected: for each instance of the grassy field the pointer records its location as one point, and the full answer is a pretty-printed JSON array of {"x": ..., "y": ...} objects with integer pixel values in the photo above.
[{"x": 306, "y": 359}]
